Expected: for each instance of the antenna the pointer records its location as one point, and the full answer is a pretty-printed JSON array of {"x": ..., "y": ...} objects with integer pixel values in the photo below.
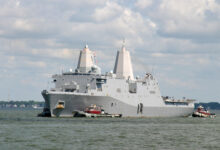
[
  {"x": 123, "y": 42},
  {"x": 94, "y": 58},
  {"x": 86, "y": 46}
]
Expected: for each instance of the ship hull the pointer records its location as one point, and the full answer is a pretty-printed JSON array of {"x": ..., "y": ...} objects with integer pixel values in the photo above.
[{"x": 76, "y": 102}]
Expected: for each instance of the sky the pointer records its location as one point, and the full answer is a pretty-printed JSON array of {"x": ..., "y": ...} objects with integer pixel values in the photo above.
[{"x": 177, "y": 41}]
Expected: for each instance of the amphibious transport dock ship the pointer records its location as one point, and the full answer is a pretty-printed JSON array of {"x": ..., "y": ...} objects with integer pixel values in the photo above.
[{"x": 117, "y": 92}]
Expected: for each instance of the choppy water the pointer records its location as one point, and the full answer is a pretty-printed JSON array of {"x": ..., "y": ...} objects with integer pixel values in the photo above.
[{"x": 22, "y": 130}]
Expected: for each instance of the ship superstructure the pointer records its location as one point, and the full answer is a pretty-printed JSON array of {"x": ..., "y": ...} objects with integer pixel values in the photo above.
[{"x": 117, "y": 92}]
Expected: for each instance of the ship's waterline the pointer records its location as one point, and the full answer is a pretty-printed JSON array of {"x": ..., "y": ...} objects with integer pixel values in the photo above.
[{"x": 111, "y": 106}]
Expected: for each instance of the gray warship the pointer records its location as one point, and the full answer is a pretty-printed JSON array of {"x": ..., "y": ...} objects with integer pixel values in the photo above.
[{"x": 117, "y": 91}]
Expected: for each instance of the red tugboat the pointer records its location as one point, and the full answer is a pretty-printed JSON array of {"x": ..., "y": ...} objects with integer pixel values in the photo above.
[
  {"x": 93, "y": 109},
  {"x": 202, "y": 112}
]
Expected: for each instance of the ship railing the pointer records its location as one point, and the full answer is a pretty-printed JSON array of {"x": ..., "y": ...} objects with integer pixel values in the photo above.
[
  {"x": 179, "y": 100},
  {"x": 169, "y": 99}
]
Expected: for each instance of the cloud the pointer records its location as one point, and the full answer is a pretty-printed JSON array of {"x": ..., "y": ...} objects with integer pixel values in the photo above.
[
  {"x": 158, "y": 54},
  {"x": 189, "y": 20},
  {"x": 22, "y": 25},
  {"x": 179, "y": 83},
  {"x": 17, "y": 3},
  {"x": 179, "y": 39},
  {"x": 142, "y": 4},
  {"x": 203, "y": 61},
  {"x": 33, "y": 64},
  {"x": 64, "y": 53},
  {"x": 107, "y": 13}
]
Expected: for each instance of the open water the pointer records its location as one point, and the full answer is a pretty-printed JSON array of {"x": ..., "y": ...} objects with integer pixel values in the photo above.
[{"x": 22, "y": 130}]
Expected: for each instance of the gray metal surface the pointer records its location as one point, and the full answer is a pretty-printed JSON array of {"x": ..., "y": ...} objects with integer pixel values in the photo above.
[
  {"x": 138, "y": 97},
  {"x": 110, "y": 105}
]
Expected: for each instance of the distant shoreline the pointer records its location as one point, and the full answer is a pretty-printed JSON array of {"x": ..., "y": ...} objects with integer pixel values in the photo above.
[
  {"x": 209, "y": 105},
  {"x": 40, "y": 105},
  {"x": 22, "y": 104}
]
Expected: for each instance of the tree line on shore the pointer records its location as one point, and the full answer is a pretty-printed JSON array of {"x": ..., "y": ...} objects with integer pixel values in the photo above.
[
  {"x": 21, "y": 104},
  {"x": 210, "y": 105}
]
